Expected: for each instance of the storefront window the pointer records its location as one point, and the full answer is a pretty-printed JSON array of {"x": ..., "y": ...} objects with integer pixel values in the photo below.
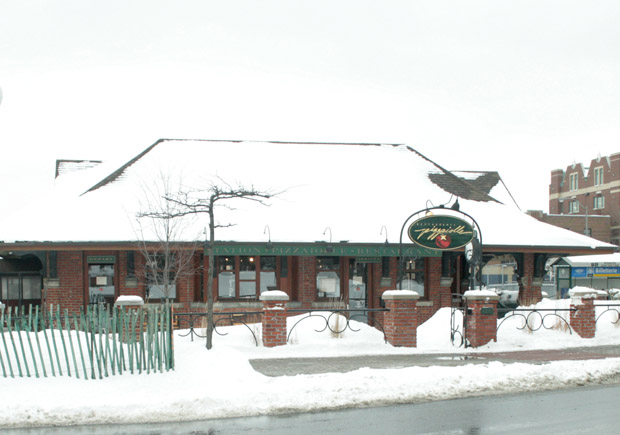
[
  {"x": 413, "y": 275},
  {"x": 328, "y": 277},
  {"x": 21, "y": 290},
  {"x": 268, "y": 267},
  {"x": 246, "y": 277},
  {"x": 226, "y": 277},
  {"x": 161, "y": 275}
]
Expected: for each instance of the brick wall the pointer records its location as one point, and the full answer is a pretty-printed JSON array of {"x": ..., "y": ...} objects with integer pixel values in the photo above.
[
  {"x": 401, "y": 322},
  {"x": 121, "y": 263},
  {"x": 583, "y": 321},
  {"x": 481, "y": 327},
  {"x": 600, "y": 225},
  {"x": 559, "y": 189},
  {"x": 426, "y": 310},
  {"x": 274, "y": 323},
  {"x": 440, "y": 296},
  {"x": 306, "y": 284},
  {"x": 70, "y": 294},
  {"x": 530, "y": 291}
]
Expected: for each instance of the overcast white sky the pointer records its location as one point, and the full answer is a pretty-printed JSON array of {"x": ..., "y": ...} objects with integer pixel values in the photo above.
[{"x": 522, "y": 87}]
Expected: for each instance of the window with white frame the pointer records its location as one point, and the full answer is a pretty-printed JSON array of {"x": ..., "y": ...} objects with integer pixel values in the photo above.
[
  {"x": 247, "y": 276},
  {"x": 598, "y": 176},
  {"x": 328, "y": 277},
  {"x": 574, "y": 181},
  {"x": 574, "y": 207},
  {"x": 599, "y": 202}
]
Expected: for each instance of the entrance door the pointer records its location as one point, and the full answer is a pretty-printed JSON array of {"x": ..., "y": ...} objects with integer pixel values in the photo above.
[
  {"x": 358, "y": 288},
  {"x": 101, "y": 284}
]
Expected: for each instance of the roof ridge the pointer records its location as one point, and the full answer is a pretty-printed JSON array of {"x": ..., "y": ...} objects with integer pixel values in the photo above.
[{"x": 119, "y": 172}]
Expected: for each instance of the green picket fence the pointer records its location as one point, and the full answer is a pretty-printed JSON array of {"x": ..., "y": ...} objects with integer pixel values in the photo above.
[{"x": 93, "y": 344}]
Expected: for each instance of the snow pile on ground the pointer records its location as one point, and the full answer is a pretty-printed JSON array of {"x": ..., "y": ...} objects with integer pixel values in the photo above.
[{"x": 221, "y": 382}]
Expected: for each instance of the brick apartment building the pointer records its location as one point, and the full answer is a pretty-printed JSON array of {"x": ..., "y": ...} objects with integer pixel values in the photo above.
[
  {"x": 587, "y": 195},
  {"x": 332, "y": 234},
  {"x": 599, "y": 226}
]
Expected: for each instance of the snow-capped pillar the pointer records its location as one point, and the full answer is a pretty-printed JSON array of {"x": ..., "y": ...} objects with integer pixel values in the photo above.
[
  {"x": 481, "y": 318},
  {"x": 274, "y": 317},
  {"x": 130, "y": 307},
  {"x": 582, "y": 315},
  {"x": 400, "y": 323}
]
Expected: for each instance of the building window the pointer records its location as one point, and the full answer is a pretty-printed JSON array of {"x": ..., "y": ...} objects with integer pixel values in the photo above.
[
  {"x": 226, "y": 287},
  {"x": 598, "y": 176},
  {"x": 574, "y": 181},
  {"x": 161, "y": 276},
  {"x": 599, "y": 202},
  {"x": 413, "y": 275},
  {"x": 247, "y": 276},
  {"x": 574, "y": 207},
  {"x": 385, "y": 267},
  {"x": 268, "y": 270},
  {"x": 328, "y": 277},
  {"x": 18, "y": 290}
]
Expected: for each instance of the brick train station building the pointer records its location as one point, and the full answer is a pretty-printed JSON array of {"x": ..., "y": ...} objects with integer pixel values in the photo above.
[{"x": 328, "y": 231}]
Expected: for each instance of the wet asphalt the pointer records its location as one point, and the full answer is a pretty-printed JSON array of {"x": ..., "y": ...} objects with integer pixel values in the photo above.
[{"x": 300, "y": 366}]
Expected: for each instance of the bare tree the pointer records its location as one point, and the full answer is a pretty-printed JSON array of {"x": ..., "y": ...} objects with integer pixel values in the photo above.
[
  {"x": 205, "y": 201},
  {"x": 168, "y": 257}
]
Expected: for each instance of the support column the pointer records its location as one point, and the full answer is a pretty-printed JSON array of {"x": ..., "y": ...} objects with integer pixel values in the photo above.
[
  {"x": 401, "y": 321},
  {"x": 583, "y": 320},
  {"x": 131, "y": 306},
  {"x": 481, "y": 318},
  {"x": 274, "y": 317}
]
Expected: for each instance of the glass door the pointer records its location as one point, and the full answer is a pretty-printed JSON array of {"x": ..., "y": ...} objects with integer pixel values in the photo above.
[
  {"x": 101, "y": 284},
  {"x": 358, "y": 289}
]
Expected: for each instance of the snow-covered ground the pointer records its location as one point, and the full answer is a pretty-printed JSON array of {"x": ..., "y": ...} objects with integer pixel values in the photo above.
[{"x": 221, "y": 382}]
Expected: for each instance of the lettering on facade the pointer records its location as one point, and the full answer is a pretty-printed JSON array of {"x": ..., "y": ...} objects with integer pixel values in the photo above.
[
  {"x": 369, "y": 252},
  {"x": 101, "y": 259}
]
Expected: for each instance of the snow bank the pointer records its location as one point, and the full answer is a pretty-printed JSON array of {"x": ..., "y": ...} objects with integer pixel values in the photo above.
[{"x": 221, "y": 382}]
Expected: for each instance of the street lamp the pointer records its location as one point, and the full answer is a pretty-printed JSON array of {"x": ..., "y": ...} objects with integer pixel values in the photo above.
[{"x": 586, "y": 231}]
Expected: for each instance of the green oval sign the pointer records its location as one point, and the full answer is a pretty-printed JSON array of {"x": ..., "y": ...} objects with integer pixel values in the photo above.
[{"x": 441, "y": 232}]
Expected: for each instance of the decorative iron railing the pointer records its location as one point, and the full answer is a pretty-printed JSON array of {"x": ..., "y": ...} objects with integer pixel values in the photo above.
[
  {"x": 195, "y": 323},
  {"x": 536, "y": 318},
  {"x": 615, "y": 308},
  {"x": 457, "y": 336},
  {"x": 334, "y": 326}
]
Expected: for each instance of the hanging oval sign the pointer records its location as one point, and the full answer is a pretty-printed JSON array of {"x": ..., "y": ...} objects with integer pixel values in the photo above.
[{"x": 441, "y": 232}]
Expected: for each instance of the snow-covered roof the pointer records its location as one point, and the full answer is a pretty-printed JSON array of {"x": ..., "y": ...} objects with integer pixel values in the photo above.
[
  {"x": 360, "y": 193},
  {"x": 591, "y": 260}
]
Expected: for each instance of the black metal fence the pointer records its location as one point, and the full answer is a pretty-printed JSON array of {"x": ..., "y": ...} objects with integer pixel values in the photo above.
[{"x": 195, "y": 323}]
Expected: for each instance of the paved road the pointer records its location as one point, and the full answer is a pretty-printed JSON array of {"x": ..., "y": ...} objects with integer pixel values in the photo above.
[
  {"x": 297, "y": 366},
  {"x": 583, "y": 410}
]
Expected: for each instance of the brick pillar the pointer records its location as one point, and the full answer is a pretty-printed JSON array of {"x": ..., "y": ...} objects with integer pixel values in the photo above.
[
  {"x": 583, "y": 321},
  {"x": 131, "y": 306},
  {"x": 481, "y": 318},
  {"x": 530, "y": 288},
  {"x": 401, "y": 322},
  {"x": 274, "y": 317}
]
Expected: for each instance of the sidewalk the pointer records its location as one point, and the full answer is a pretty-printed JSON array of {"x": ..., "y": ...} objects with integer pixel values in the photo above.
[{"x": 300, "y": 366}]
